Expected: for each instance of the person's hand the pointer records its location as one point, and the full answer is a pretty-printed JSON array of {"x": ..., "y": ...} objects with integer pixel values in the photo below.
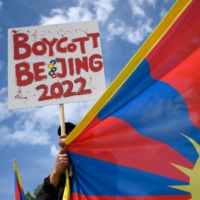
[
  {"x": 62, "y": 163},
  {"x": 62, "y": 141}
]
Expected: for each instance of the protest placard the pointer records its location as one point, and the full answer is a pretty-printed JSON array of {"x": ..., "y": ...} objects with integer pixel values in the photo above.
[{"x": 54, "y": 64}]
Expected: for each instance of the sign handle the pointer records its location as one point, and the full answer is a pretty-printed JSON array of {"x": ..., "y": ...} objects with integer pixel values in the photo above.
[
  {"x": 62, "y": 119},
  {"x": 66, "y": 194}
]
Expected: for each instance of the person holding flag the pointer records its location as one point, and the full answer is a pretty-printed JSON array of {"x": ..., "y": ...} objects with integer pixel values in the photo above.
[{"x": 54, "y": 184}]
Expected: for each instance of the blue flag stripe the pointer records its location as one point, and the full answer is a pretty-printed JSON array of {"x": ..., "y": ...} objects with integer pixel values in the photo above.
[{"x": 90, "y": 175}]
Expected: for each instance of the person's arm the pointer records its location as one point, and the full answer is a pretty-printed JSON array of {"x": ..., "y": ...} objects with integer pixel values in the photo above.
[
  {"x": 49, "y": 190},
  {"x": 61, "y": 164}
]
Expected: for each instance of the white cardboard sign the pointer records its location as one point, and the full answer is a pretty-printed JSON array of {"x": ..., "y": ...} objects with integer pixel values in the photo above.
[{"x": 54, "y": 64}]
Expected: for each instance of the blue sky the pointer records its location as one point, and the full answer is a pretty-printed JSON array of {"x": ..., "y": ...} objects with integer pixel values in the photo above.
[{"x": 30, "y": 135}]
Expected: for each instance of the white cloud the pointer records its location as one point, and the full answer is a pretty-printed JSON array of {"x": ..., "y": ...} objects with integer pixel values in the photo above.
[
  {"x": 83, "y": 12},
  {"x": 26, "y": 136},
  {"x": 139, "y": 29},
  {"x": 4, "y": 113},
  {"x": 73, "y": 14},
  {"x": 32, "y": 125},
  {"x": 54, "y": 150},
  {"x": 74, "y": 112},
  {"x": 55, "y": 19},
  {"x": 116, "y": 29},
  {"x": 48, "y": 116},
  {"x": 137, "y": 6},
  {"x": 45, "y": 117},
  {"x": 1, "y": 4},
  {"x": 134, "y": 35},
  {"x": 29, "y": 128},
  {"x": 152, "y": 2},
  {"x": 163, "y": 13},
  {"x": 3, "y": 91},
  {"x": 103, "y": 8}
]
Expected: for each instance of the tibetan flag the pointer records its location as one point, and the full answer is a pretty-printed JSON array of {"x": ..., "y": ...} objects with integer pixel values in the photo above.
[
  {"x": 19, "y": 192},
  {"x": 141, "y": 140}
]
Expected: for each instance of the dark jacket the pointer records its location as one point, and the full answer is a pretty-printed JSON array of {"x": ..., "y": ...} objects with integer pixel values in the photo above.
[{"x": 49, "y": 192}]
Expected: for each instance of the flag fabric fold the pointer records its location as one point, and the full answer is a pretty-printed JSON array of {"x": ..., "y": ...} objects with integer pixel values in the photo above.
[
  {"x": 141, "y": 138},
  {"x": 19, "y": 191}
]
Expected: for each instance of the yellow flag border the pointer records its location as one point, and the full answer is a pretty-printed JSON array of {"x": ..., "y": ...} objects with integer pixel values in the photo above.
[
  {"x": 66, "y": 194},
  {"x": 15, "y": 167},
  {"x": 173, "y": 14}
]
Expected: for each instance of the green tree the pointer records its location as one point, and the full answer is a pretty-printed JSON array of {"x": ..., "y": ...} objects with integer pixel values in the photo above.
[
  {"x": 37, "y": 189},
  {"x": 29, "y": 196}
]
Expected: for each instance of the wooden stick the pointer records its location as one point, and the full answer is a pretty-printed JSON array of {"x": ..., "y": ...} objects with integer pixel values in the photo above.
[
  {"x": 62, "y": 125},
  {"x": 62, "y": 119}
]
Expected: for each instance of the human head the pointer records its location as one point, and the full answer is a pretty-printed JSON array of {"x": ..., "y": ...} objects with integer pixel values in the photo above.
[{"x": 68, "y": 128}]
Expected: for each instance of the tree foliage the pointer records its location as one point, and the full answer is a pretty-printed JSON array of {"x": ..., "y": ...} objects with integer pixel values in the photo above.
[
  {"x": 36, "y": 190},
  {"x": 29, "y": 196}
]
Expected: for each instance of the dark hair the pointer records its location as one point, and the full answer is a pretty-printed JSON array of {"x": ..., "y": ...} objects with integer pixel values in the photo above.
[{"x": 68, "y": 128}]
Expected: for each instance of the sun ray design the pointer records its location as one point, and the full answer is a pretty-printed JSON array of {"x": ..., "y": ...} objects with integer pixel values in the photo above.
[{"x": 194, "y": 174}]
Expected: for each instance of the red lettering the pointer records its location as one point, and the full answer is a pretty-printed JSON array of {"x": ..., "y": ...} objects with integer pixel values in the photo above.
[
  {"x": 94, "y": 39},
  {"x": 20, "y": 40},
  {"x": 71, "y": 66},
  {"x": 92, "y": 61},
  {"x": 44, "y": 95},
  {"x": 39, "y": 52},
  {"x": 56, "y": 90},
  {"x": 22, "y": 49},
  {"x": 50, "y": 44},
  {"x": 59, "y": 43},
  {"x": 68, "y": 92},
  {"x": 71, "y": 47},
  {"x": 21, "y": 70},
  {"x": 37, "y": 71},
  {"x": 82, "y": 43},
  {"x": 82, "y": 89},
  {"x": 63, "y": 66},
  {"x": 81, "y": 64}
]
